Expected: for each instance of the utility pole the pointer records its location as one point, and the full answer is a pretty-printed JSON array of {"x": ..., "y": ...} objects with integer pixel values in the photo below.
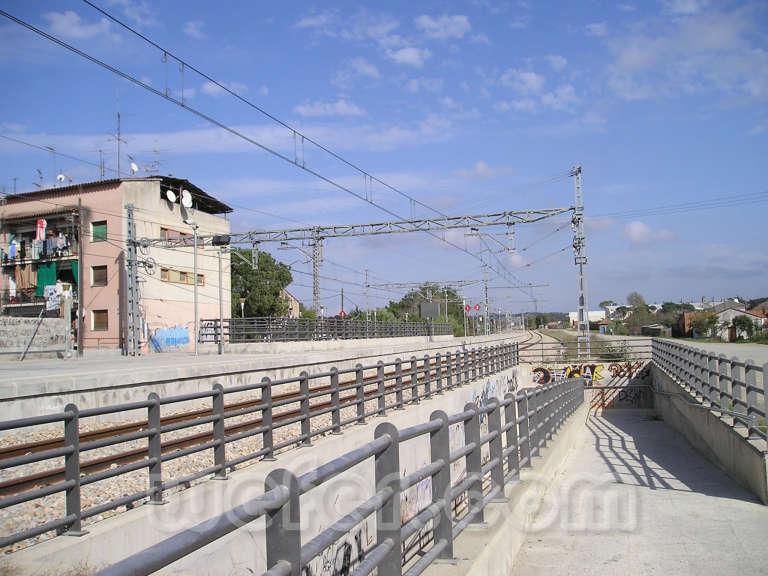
[
  {"x": 221, "y": 310},
  {"x": 342, "y": 302},
  {"x": 131, "y": 264},
  {"x": 485, "y": 282},
  {"x": 317, "y": 255},
  {"x": 580, "y": 259}
]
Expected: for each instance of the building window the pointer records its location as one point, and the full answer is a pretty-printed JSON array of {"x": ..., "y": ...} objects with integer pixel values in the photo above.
[
  {"x": 98, "y": 275},
  {"x": 181, "y": 277},
  {"x": 99, "y": 231},
  {"x": 99, "y": 320}
]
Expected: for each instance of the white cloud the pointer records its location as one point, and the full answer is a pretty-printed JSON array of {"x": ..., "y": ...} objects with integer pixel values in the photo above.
[
  {"x": 684, "y": 7},
  {"x": 424, "y": 85},
  {"x": 353, "y": 69},
  {"x": 524, "y": 105},
  {"x": 211, "y": 89},
  {"x": 264, "y": 91},
  {"x": 320, "y": 21},
  {"x": 696, "y": 54},
  {"x": 194, "y": 29},
  {"x": 360, "y": 27},
  {"x": 557, "y": 62},
  {"x": 443, "y": 27},
  {"x": 640, "y": 234},
  {"x": 339, "y": 108},
  {"x": 627, "y": 7},
  {"x": 139, "y": 13},
  {"x": 12, "y": 127},
  {"x": 410, "y": 56},
  {"x": 598, "y": 29},
  {"x": 69, "y": 25},
  {"x": 482, "y": 170},
  {"x": 522, "y": 81},
  {"x": 562, "y": 98}
]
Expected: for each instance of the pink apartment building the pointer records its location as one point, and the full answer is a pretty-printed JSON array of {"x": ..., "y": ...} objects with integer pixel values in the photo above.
[{"x": 76, "y": 235}]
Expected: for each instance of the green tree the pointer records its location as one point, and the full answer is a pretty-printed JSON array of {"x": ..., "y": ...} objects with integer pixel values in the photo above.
[
  {"x": 605, "y": 303},
  {"x": 636, "y": 301},
  {"x": 743, "y": 323},
  {"x": 703, "y": 324},
  {"x": 260, "y": 287}
]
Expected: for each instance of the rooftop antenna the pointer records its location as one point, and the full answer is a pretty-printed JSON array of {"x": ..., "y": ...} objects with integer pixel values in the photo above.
[
  {"x": 101, "y": 164},
  {"x": 53, "y": 157},
  {"x": 39, "y": 175}
]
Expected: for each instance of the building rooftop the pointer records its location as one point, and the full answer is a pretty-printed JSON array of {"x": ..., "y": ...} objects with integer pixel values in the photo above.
[{"x": 202, "y": 199}]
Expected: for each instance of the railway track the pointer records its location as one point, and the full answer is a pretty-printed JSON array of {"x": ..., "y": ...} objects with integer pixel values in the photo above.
[{"x": 94, "y": 465}]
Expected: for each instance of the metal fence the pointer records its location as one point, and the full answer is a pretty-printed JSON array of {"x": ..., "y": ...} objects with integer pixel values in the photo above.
[
  {"x": 730, "y": 386},
  {"x": 601, "y": 351},
  {"x": 243, "y": 330},
  {"x": 347, "y": 396},
  {"x": 518, "y": 426}
]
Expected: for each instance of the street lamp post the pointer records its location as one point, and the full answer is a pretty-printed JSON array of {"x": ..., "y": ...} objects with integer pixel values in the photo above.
[{"x": 195, "y": 228}]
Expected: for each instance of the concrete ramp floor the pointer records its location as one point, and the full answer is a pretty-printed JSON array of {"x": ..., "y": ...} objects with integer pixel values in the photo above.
[{"x": 634, "y": 498}]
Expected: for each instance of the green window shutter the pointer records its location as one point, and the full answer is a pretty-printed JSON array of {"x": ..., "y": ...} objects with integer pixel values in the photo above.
[
  {"x": 46, "y": 276},
  {"x": 99, "y": 231}
]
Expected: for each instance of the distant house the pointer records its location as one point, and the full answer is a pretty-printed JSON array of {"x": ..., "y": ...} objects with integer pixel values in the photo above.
[
  {"x": 593, "y": 315},
  {"x": 726, "y": 312},
  {"x": 655, "y": 330},
  {"x": 761, "y": 309},
  {"x": 293, "y": 303}
]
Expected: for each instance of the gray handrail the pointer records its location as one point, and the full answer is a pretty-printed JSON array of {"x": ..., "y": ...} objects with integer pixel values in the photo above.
[{"x": 283, "y": 491}]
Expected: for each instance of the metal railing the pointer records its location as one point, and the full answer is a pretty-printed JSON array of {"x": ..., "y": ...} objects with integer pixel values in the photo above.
[
  {"x": 244, "y": 330},
  {"x": 601, "y": 351},
  {"x": 517, "y": 427},
  {"x": 729, "y": 386},
  {"x": 347, "y": 396}
]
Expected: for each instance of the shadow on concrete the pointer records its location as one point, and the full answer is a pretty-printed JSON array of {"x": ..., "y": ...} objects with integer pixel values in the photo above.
[{"x": 641, "y": 451}]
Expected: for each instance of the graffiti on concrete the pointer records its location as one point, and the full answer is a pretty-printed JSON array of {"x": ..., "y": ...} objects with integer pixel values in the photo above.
[
  {"x": 166, "y": 339},
  {"x": 543, "y": 375},
  {"x": 341, "y": 557}
]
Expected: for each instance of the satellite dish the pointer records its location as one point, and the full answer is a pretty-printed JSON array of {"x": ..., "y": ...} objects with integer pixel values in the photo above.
[
  {"x": 186, "y": 199},
  {"x": 60, "y": 177},
  {"x": 134, "y": 167},
  {"x": 171, "y": 196}
]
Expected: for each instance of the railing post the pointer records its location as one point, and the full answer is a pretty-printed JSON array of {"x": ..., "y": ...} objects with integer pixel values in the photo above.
[
  {"x": 510, "y": 417},
  {"x": 306, "y": 425},
  {"x": 474, "y": 463},
  {"x": 266, "y": 419},
  {"x": 725, "y": 383},
  {"x": 440, "y": 449},
  {"x": 737, "y": 386},
  {"x": 220, "y": 449},
  {"x": 283, "y": 535},
  {"x": 387, "y": 472},
  {"x": 474, "y": 363},
  {"x": 414, "y": 382},
  {"x": 360, "y": 394},
  {"x": 72, "y": 472},
  {"x": 714, "y": 384},
  {"x": 381, "y": 404},
  {"x": 154, "y": 450},
  {"x": 335, "y": 401},
  {"x": 439, "y": 372},
  {"x": 448, "y": 370},
  {"x": 399, "y": 384},
  {"x": 495, "y": 450},
  {"x": 750, "y": 381},
  {"x": 427, "y": 376},
  {"x": 467, "y": 367},
  {"x": 533, "y": 421},
  {"x": 524, "y": 438}
]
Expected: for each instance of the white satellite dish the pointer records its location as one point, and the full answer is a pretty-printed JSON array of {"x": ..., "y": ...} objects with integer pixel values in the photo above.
[
  {"x": 171, "y": 195},
  {"x": 186, "y": 199},
  {"x": 134, "y": 167},
  {"x": 60, "y": 178}
]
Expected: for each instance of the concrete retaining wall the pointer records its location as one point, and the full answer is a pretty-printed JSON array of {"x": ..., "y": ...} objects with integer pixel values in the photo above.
[
  {"x": 242, "y": 552},
  {"x": 16, "y": 332},
  {"x": 709, "y": 433},
  {"x": 91, "y": 389}
]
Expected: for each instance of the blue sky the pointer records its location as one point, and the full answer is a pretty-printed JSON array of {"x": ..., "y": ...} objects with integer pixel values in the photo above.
[{"x": 471, "y": 107}]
